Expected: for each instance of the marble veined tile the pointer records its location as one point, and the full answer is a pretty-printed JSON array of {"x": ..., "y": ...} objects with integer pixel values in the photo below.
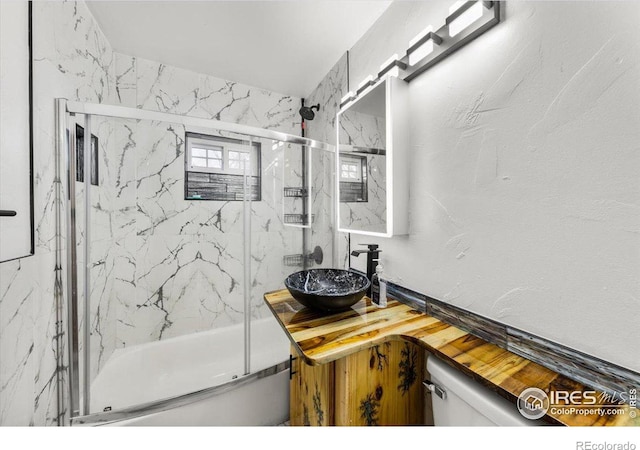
[
  {"x": 274, "y": 111},
  {"x": 160, "y": 180},
  {"x": 362, "y": 130},
  {"x": 125, "y": 79},
  {"x": 103, "y": 306},
  {"x": 166, "y": 88},
  {"x": 49, "y": 335},
  {"x": 370, "y": 215},
  {"x": 328, "y": 94},
  {"x": 67, "y": 36},
  {"x": 183, "y": 284},
  {"x": 268, "y": 271},
  {"x": 17, "y": 297}
]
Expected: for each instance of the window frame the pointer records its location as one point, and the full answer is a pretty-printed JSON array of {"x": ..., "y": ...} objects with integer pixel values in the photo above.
[
  {"x": 363, "y": 182},
  {"x": 212, "y": 143},
  {"x": 361, "y": 162}
]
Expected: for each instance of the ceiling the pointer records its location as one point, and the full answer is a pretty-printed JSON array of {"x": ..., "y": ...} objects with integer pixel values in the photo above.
[{"x": 281, "y": 46}]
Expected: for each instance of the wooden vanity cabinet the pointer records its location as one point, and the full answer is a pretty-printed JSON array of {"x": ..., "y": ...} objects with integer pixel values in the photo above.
[{"x": 380, "y": 385}]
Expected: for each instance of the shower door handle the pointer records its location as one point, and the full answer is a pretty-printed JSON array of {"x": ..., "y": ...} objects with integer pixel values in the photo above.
[{"x": 7, "y": 213}]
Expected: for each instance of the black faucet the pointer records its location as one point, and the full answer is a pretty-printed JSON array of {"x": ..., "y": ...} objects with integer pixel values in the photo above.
[{"x": 373, "y": 256}]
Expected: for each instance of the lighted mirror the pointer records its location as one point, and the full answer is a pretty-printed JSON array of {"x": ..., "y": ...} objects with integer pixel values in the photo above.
[{"x": 372, "y": 193}]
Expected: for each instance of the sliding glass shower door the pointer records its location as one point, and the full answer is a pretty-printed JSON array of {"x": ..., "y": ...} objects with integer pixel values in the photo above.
[{"x": 174, "y": 234}]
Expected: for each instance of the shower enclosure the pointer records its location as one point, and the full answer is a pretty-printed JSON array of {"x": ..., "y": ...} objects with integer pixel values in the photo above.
[{"x": 174, "y": 227}]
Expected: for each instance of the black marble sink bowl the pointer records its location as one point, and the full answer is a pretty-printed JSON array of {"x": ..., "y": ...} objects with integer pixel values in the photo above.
[{"x": 330, "y": 290}]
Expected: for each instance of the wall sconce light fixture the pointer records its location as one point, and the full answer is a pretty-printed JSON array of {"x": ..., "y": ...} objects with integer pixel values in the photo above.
[
  {"x": 422, "y": 45},
  {"x": 349, "y": 97},
  {"x": 364, "y": 84},
  {"x": 466, "y": 21},
  {"x": 392, "y": 67},
  {"x": 463, "y": 14}
]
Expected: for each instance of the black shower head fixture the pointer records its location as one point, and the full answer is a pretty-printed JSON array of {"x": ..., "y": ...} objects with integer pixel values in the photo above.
[{"x": 307, "y": 111}]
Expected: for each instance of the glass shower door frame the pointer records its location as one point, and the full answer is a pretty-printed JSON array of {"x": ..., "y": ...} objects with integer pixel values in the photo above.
[{"x": 79, "y": 402}]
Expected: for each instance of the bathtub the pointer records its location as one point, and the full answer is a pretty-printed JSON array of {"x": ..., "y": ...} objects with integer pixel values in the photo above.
[{"x": 196, "y": 379}]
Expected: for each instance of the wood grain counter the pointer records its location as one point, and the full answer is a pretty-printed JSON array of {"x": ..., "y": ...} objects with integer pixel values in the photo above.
[{"x": 320, "y": 338}]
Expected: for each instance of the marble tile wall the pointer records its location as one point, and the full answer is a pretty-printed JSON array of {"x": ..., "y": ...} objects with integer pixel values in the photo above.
[
  {"x": 365, "y": 130},
  {"x": 372, "y": 214},
  {"x": 362, "y": 130},
  {"x": 184, "y": 270},
  {"x": 328, "y": 94}
]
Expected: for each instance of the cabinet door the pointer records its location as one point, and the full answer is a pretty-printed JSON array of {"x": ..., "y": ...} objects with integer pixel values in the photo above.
[
  {"x": 311, "y": 394},
  {"x": 381, "y": 385},
  {"x": 15, "y": 132}
]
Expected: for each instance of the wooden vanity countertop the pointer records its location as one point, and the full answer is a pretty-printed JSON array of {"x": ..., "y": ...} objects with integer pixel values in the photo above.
[{"x": 321, "y": 338}]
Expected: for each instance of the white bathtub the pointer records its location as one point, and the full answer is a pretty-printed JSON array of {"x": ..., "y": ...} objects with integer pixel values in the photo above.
[{"x": 174, "y": 368}]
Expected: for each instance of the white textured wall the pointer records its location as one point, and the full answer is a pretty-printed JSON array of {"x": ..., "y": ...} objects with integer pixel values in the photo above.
[{"x": 525, "y": 186}]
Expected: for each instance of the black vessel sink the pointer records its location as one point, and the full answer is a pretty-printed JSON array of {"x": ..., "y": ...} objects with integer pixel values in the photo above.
[{"x": 330, "y": 290}]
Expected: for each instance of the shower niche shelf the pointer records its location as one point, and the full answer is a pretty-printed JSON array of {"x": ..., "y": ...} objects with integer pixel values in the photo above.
[
  {"x": 295, "y": 192},
  {"x": 298, "y": 219},
  {"x": 296, "y": 185},
  {"x": 300, "y": 260},
  {"x": 293, "y": 260}
]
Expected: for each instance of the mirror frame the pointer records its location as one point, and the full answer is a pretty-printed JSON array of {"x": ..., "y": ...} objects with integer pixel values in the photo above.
[{"x": 397, "y": 182}]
